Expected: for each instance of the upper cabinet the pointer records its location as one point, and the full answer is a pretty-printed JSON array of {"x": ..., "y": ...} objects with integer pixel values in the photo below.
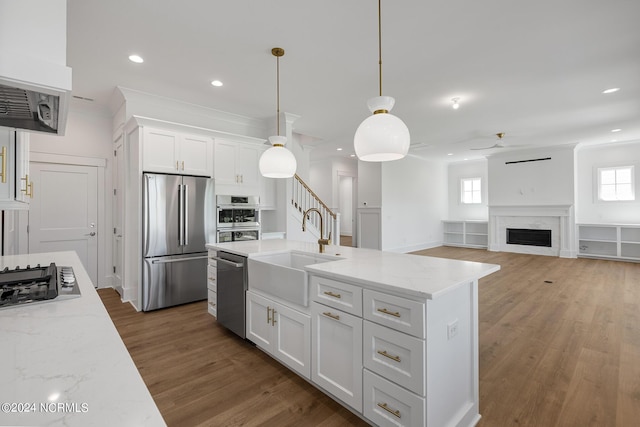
[
  {"x": 168, "y": 151},
  {"x": 16, "y": 189},
  {"x": 236, "y": 167}
]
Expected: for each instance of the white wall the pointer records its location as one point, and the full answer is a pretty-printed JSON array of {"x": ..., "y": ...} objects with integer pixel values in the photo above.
[
  {"x": 457, "y": 172},
  {"x": 547, "y": 182},
  {"x": 414, "y": 202},
  {"x": 588, "y": 208}
]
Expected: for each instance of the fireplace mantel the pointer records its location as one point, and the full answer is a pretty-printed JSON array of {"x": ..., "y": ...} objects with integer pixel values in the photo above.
[{"x": 559, "y": 218}]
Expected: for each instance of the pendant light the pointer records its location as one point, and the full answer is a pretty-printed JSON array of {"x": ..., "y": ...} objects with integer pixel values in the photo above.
[
  {"x": 382, "y": 136},
  {"x": 277, "y": 161}
]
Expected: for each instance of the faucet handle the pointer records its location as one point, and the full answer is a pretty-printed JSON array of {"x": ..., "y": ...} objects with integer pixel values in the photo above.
[{"x": 329, "y": 238}]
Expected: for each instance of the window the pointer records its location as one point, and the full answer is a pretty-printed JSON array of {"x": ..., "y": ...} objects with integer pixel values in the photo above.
[
  {"x": 471, "y": 190},
  {"x": 616, "y": 183}
]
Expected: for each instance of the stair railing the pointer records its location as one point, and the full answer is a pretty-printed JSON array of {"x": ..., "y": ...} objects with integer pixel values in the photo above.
[{"x": 304, "y": 198}]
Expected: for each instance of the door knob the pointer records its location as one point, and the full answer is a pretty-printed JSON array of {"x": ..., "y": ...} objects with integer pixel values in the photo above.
[{"x": 93, "y": 233}]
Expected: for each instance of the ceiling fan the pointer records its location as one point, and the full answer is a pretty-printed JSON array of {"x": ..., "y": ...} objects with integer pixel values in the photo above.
[{"x": 498, "y": 144}]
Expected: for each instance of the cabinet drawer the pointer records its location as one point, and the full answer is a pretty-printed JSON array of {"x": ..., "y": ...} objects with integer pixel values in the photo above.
[
  {"x": 212, "y": 282},
  {"x": 387, "y": 404},
  {"x": 395, "y": 312},
  {"x": 340, "y": 295},
  {"x": 212, "y": 261},
  {"x": 212, "y": 303},
  {"x": 396, "y": 356}
]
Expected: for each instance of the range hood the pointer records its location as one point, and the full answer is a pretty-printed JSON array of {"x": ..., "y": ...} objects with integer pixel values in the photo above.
[
  {"x": 35, "y": 82},
  {"x": 34, "y": 96}
]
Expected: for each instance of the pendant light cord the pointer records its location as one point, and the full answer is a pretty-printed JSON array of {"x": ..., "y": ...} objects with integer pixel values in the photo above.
[
  {"x": 278, "y": 95},
  {"x": 380, "y": 43}
]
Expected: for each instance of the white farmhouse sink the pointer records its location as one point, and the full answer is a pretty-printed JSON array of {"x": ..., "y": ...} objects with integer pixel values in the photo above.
[{"x": 282, "y": 275}]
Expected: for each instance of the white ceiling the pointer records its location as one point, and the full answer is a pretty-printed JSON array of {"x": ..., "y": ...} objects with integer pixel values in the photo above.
[{"x": 532, "y": 69}]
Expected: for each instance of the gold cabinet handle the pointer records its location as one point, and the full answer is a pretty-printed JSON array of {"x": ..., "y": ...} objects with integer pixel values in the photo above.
[
  {"x": 183, "y": 165},
  {"x": 213, "y": 279},
  {"x": 273, "y": 317},
  {"x": 28, "y": 186},
  {"x": 390, "y": 313},
  {"x": 268, "y": 315},
  {"x": 3, "y": 172},
  {"x": 331, "y": 294},
  {"x": 389, "y": 410},
  {"x": 331, "y": 315},
  {"x": 390, "y": 356}
]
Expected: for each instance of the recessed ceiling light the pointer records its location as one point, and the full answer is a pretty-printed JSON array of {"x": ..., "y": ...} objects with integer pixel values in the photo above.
[
  {"x": 338, "y": 149},
  {"x": 455, "y": 104},
  {"x": 216, "y": 83},
  {"x": 613, "y": 89},
  {"x": 136, "y": 58},
  {"x": 614, "y": 140},
  {"x": 449, "y": 154},
  {"x": 466, "y": 159},
  {"x": 353, "y": 155},
  {"x": 616, "y": 130}
]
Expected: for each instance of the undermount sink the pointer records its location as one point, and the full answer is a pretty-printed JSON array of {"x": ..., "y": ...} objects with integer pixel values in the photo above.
[{"x": 283, "y": 275}]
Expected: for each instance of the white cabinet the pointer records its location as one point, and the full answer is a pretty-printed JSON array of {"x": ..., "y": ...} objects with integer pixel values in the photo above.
[
  {"x": 281, "y": 331},
  {"x": 212, "y": 284},
  {"x": 168, "y": 151},
  {"x": 472, "y": 234},
  {"x": 611, "y": 241},
  {"x": 336, "y": 313},
  {"x": 236, "y": 167},
  {"x": 15, "y": 187}
]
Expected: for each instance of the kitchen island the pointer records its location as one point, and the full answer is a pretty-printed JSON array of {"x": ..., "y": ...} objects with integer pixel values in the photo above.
[
  {"x": 392, "y": 337},
  {"x": 63, "y": 362}
]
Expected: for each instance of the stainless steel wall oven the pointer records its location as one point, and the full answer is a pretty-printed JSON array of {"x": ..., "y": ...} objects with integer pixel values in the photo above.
[{"x": 238, "y": 218}]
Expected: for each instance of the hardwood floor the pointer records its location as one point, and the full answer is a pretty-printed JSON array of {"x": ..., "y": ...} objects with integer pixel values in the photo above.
[{"x": 559, "y": 346}]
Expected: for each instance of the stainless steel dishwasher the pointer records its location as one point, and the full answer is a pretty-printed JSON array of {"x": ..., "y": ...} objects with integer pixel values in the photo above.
[{"x": 232, "y": 287}]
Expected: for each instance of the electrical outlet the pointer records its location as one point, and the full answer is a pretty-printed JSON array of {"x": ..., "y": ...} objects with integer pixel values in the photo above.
[{"x": 452, "y": 329}]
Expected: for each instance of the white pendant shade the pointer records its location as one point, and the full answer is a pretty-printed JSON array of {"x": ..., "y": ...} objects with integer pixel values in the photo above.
[
  {"x": 382, "y": 136},
  {"x": 277, "y": 161}
]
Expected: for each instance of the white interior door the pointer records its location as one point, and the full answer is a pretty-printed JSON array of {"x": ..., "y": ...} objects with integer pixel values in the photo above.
[{"x": 63, "y": 213}]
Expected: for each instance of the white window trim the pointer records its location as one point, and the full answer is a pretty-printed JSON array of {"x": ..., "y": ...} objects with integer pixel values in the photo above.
[
  {"x": 597, "y": 183},
  {"x": 461, "y": 198}
]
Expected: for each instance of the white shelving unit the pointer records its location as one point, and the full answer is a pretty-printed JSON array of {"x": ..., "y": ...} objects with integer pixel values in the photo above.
[
  {"x": 470, "y": 233},
  {"x": 609, "y": 241}
]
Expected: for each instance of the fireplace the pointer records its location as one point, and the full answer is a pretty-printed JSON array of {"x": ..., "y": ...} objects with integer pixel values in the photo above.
[
  {"x": 533, "y": 225},
  {"x": 528, "y": 237}
]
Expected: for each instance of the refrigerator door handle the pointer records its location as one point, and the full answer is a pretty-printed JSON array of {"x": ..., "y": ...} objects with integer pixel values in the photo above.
[
  {"x": 185, "y": 217},
  {"x": 167, "y": 261},
  {"x": 180, "y": 216}
]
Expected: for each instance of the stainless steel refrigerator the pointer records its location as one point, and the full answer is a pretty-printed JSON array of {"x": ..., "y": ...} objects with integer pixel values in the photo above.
[{"x": 178, "y": 220}]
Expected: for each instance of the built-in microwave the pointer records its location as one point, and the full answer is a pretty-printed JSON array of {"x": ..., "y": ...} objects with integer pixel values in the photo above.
[{"x": 238, "y": 212}]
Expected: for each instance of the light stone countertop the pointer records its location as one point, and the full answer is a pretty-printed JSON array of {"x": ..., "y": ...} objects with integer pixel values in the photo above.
[
  {"x": 68, "y": 348},
  {"x": 417, "y": 275}
]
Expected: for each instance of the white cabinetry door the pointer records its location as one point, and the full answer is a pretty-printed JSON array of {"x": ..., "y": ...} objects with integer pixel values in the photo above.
[
  {"x": 259, "y": 328},
  {"x": 247, "y": 164},
  {"x": 196, "y": 154},
  {"x": 16, "y": 187},
  {"x": 292, "y": 345},
  {"x": 225, "y": 163},
  {"x": 281, "y": 331},
  {"x": 337, "y": 354},
  {"x": 160, "y": 151}
]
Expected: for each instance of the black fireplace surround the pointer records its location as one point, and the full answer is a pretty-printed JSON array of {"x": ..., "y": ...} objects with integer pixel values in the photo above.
[{"x": 528, "y": 237}]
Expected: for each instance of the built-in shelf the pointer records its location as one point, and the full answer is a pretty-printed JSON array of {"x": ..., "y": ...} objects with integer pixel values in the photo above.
[
  {"x": 470, "y": 234},
  {"x": 609, "y": 241}
]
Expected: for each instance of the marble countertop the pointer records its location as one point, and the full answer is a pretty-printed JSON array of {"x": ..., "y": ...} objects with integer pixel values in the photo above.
[
  {"x": 417, "y": 275},
  {"x": 62, "y": 363}
]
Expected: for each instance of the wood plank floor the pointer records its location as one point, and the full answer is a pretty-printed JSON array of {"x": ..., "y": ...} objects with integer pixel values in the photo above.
[{"x": 559, "y": 346}]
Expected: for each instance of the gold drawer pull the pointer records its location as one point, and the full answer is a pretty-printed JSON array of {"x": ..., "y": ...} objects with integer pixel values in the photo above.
[
  {"x": 268, "y": 315},
  {"x": 333, "y": 316},
  {"x": 390, "y": 313},
  {"x": 331, "y": 294},
  {"x": 390, "y": 356},
  {"x": 3, "y": 173},
  {"x": 389, "y": 410},
  {"x": 213, "y": 279}
]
